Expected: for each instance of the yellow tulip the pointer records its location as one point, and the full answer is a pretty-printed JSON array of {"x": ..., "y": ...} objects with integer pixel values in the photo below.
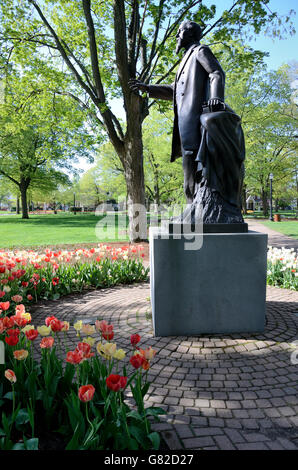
[
  {"x": 119, "y": 354},
  {"x": 106, "y": 350},
  {"x": 89, "y": 340},
  {"x": 44, "y": 330},
  {"x": 78, "y": 325},
  {"x": 27, "y": 328}
]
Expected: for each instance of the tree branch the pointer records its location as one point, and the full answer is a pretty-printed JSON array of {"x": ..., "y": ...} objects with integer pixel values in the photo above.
[
  {"x": 82, "y": 66},
  {"x": 167, "y": 34},
  {"x": 121, "y": 47},
  {"x": 220, "y": 19},
  {"x": 9, "y": 177},
  {"x": 132, "y": 37},
  {"x": 82, "y": 104},
  {"x": 93, "y": 50},
  {"x": 140, "y": 32},
  {"x": 62, "y": 51},
  {"x": 157, "y": 26}
]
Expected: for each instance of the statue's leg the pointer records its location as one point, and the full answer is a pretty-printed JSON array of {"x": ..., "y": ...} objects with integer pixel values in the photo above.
[{"x": 189, "y": 169}]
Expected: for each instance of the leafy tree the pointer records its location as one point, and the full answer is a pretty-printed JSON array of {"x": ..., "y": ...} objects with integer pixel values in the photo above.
[
  {"x": 104, "y": 44},
  {"x": 40, "y": 134},
  {"x": 269, "y": 117},
  {"x": 106, "y": 179}
]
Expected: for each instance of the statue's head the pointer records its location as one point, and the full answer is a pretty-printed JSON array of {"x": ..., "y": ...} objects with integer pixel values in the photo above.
[{"x": 188, "y": 33}]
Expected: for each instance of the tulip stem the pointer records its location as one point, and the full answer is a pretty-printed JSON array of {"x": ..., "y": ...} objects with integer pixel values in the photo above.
[
  {"x": 65, "y": 342},
  {"x": 123, "y": 413},
  {"x": 13, "y": 399},
  {"x": 139, "y": 384},
  {"x": 78, "y": 374},
  {"x": 87, "y": 416}
]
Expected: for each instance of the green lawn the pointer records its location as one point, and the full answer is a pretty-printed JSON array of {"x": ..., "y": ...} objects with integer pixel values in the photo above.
[
  {"x": 62, "y": 228},
  {"x": 289, "y": 228}
]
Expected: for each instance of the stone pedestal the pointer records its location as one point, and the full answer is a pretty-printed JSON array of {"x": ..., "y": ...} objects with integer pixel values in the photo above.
[{"x": 218, "y": 287}]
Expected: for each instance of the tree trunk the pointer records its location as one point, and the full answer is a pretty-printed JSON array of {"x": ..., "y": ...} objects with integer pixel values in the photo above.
[
  {"x": 24, "y": 183},
  {"x": 134, "y": 177},
  {"x": 243, "y": 199},
  {"x": 18, "y": 205},
  {"x": 265, "y": 203},
  {"x": 132, "y": 161}
]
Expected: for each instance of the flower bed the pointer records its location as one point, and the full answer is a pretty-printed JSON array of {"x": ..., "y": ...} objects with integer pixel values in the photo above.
[
  {"x": 282, "y": 268},
  {"x": 76, "y": 397},
  {"x": 30, "y": 275}
]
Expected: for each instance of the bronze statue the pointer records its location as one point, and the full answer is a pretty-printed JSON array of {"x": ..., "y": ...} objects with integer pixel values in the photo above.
[{"x": 207, "y": 133}]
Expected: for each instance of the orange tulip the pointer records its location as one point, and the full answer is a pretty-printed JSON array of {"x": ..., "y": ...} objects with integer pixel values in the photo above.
[
  {"x": 47, "y": 342},
  {"x": 20, "y": 354}
]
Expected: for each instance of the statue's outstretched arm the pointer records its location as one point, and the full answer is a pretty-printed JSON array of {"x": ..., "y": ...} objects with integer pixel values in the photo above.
[{"x": 162, "y": 92}]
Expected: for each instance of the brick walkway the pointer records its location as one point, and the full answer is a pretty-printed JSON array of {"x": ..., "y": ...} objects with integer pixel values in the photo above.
[{"x": 223, "y": 392}]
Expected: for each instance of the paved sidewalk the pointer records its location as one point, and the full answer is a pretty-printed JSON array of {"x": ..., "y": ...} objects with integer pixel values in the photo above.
[
  {"x": 220, "y": 392},
  {"x": 276, "y": 239}
]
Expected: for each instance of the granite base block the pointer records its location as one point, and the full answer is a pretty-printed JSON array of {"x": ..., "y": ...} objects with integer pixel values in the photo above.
[{"x": 218, "y": 288}]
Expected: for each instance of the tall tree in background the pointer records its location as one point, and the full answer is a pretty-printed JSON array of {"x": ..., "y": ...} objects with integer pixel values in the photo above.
[
  {"x": 266, "y": 104},
  {"x": 104, "y": 44},
  {"x": 39, "y": 135}
]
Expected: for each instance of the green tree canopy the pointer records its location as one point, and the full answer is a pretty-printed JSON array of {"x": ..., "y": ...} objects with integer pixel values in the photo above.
[{"x": 40, "y": 134}]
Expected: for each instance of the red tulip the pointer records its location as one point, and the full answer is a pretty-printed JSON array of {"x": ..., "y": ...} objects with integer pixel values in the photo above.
[
  {"x": 4, "y": 305},
  {"x": 108, "y": 336},
  {"x": 31, "y": 334},
  {"x": 135, "y": 339},
  {"x": 137, "y": 361},
  {"x": 86, "y": 393},
  {"x": 8, "y": 322},
  {"x": 116, "y": 382},
  {"x": 49, "y": 319},
  {"x": 85, "y": 349},
  {"x": 56, "y": 325},
  {"x": 55, "y": 281},
  {"x": 13, "y": 332},
  {"x": 74, "y": 357},
  {"x": 12, "y": 340}
]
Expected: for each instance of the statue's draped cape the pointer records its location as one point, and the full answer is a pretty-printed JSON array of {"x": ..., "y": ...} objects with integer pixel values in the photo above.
[{"x": 221, "y": 154}]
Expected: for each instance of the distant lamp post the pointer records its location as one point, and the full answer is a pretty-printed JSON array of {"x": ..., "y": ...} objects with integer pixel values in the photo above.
[
  {"x": 74, "y": 203},
  {"x": 271, "y": 179}
]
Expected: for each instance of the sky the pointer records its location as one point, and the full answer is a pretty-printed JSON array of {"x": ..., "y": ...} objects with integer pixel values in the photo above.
[{"x": 281, "y": 51}]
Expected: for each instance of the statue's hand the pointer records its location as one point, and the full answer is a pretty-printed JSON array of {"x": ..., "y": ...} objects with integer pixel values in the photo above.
[
  {"x": 137, "y": 85},
  {"x": 215, "y": 104}
]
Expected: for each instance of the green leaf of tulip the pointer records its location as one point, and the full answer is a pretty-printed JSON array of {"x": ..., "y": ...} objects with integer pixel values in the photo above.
[{"x": 155, "y": 439}]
